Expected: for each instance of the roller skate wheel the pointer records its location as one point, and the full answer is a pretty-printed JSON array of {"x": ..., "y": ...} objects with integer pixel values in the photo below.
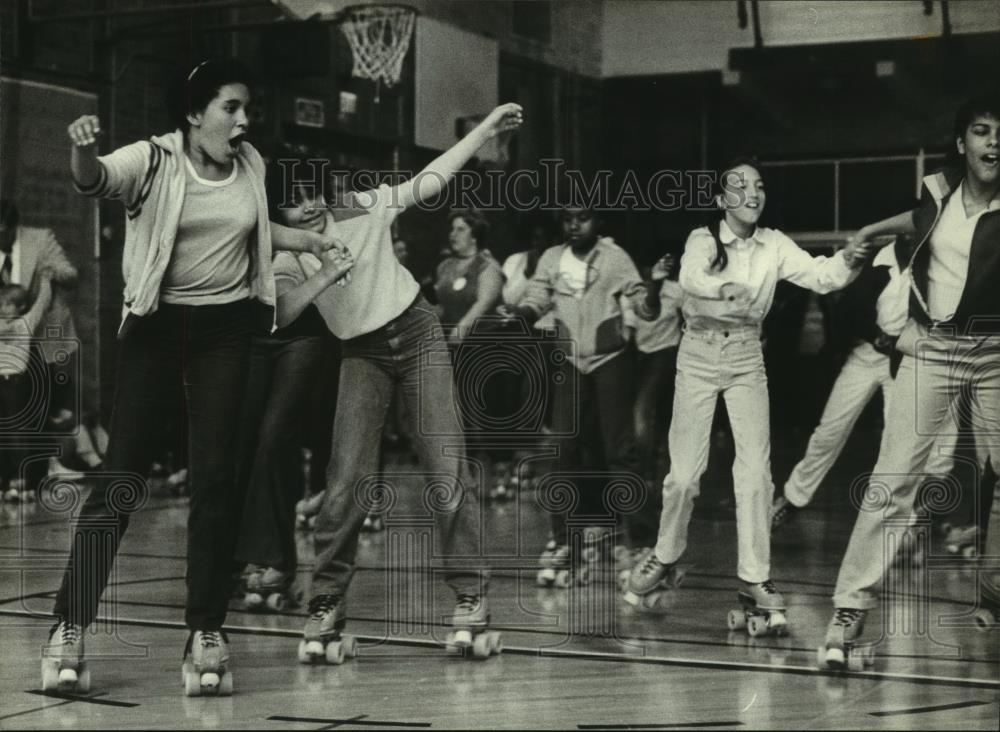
[
  {"x": 192, "y": 684},
  {"x": 252, "y": 600},
  {"x": 311, "y": 651},
  {"x": 481, "y": 646},
  {"x": 632, "y": 598},
  {"x": 583, "y": 576},
  {"x": 736, "y": 620},
  {"x": 969, "y": 552},
  {"x": 777, "y": 623},
  {"x": 277, "y": 602},
  {"x": 226, "y": 684},
  {"x": 832, "y": 658},
  {"x": 496, "y": 643},
  {"x": 50, "y": 677},
  {"x": 67, "y": 679},
  {"x": 855, "y": 662},
  {"x": 335, "y": 654},
  {"x": 210, "y": 682},
  {"x": 303, "y": 653},
  {"x": 757, "y": 626},
  {"x": 562, "y": 579},
  {"x": 952, "y": 548},
  {"x": 350, "y": 645},
  {"x": 545, "y": 578},
  {"x": 985, "y": 620}
]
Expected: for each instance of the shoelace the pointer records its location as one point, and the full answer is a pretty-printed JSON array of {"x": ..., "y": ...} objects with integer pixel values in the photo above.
[
  {"x": 467, "y": 602},
  {"x": 211, "y": 639},
  {"x": 846, "y": 616},
  {"x": 69, "y": 633},
  {"x": 651, "y": 564},
  {"x": 321, "y": 605},
  {"x": 768, "y": 587}
]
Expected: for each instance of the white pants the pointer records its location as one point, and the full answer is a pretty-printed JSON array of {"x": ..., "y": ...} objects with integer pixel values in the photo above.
[
  {"x": 926, "y": 390},
  {"x": 864, "y": 373},
  {"x": 730, "y": 363}
]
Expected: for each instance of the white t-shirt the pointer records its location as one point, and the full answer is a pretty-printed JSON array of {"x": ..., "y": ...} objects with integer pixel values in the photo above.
[
  {"x": 951, "y": 242},
  {"x": 572, "y": 273},
  {"x": 210, "y": 262},
  {"x": 380, "y": 288}
]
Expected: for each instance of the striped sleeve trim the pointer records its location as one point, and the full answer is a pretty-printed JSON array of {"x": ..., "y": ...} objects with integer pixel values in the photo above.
[
  {"x": 98, "y": 187},
  {"x": 155, "y": 158}
]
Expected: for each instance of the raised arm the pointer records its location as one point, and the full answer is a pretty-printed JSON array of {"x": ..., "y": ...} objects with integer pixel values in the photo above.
[
  {"x": 83, "y": 160},
  {"x": 429, "y": 182}
]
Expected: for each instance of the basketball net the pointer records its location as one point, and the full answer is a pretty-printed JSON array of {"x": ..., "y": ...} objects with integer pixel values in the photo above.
[{"x": 379, "y": 36}]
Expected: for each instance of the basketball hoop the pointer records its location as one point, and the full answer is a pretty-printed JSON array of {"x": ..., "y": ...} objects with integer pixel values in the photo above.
[{"x": 379, "y": 36}]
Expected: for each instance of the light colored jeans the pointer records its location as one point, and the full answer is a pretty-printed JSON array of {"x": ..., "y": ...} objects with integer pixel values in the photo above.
[
  {"x": 926, "y": 390},
  {"x": 729, "y": 363},
  {"x": 863, "y": 374}
]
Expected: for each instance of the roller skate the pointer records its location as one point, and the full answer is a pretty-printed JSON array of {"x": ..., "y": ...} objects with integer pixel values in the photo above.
[
  {"x": 963, "y": 540},
  {"x": 63, "y": 667},
  {"x": 502, "y": 488},
  {"x": 14, "y": 491},
  {"x": 323, "y": 638},
  {"x": 762, "y": 610},
  {"x": 470, "y": 623},
  {"x": 782, "y": 511},
  {"x": 842, "y": 649},
  {"x": 560, "y": 568},
  {"x": 177, "y": 483},
  {"x": 270, "y": 589},
  {"x": 650, "y": 581},
  {"x": 206, "y": 661},
  {"x": 306, "y": 511},
  {"x": 625, "y": 559}
]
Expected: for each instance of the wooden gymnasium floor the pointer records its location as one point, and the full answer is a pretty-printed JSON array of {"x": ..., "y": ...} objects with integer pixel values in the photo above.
[{"x": 580, "y": 659}]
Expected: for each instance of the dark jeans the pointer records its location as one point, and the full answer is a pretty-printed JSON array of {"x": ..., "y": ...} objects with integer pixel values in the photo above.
[
  {"x": 207, "y": 349},
  {"x": 653, "y": 406},
  {"x": 284, "y": 375},
  {"x": 602, "y": 439},
  {"x": 409, "y": 357},
  {"x": 23, "y": 414},
  {"x": 321, "y": 411}
]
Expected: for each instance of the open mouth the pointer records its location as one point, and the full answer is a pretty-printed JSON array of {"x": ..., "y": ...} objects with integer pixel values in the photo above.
[
  {"x": 236, "y": 140},
  {"x": 990, "y": 158}
]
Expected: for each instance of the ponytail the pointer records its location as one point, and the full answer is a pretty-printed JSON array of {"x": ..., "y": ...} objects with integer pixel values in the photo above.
[{"x": 721, "y": 257}]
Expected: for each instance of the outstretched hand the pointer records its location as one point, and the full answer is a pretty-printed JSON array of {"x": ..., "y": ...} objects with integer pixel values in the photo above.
[
  {"x": 663, "y": 268},
  {"x": 84, "y": 130},
  {"x": 505, "y": 118}
]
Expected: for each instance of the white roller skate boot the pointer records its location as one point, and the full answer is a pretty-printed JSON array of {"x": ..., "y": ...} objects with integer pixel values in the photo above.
[
  {"x": 322, "y": 637},
  {"x": 206, "y": 664},
  {"x": 842, "y": 649},
  {"x": 63, "y": 666},
  {"x": 761, "y": 611},
  {"x": 651, "y": 581},
  {"x": 470, "y": 623}
]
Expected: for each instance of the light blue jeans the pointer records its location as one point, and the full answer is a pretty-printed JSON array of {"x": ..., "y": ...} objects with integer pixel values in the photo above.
[{"x": 730, "y": 363}]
